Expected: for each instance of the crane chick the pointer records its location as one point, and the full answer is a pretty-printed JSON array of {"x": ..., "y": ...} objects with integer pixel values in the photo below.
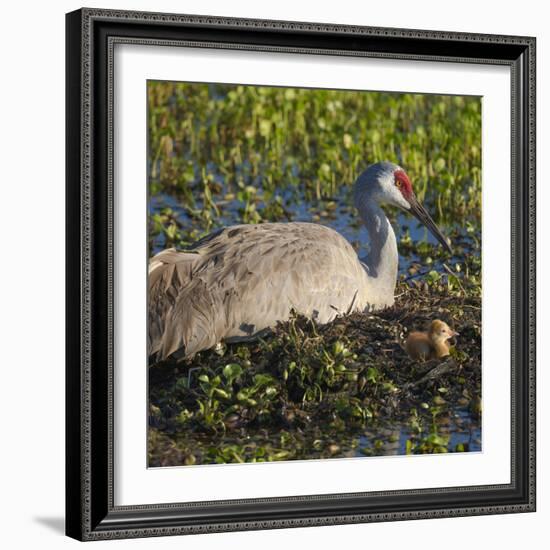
[{"x": 432, "y": 344}]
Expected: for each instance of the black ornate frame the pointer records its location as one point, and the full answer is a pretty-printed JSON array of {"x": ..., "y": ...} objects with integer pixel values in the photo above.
[{"x": 91, "y": 36}]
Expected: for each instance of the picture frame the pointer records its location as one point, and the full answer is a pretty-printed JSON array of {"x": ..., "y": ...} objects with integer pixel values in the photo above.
[{"x": 91, "y": 511}]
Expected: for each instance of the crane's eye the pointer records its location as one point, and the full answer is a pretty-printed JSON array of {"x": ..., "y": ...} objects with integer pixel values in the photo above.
[{"x": 398, "y": 183}]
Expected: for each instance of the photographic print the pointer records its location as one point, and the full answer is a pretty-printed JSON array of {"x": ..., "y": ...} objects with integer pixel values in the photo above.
[
  {"x": 314, "y": 273},
  {"x": 307, "y": 253}
]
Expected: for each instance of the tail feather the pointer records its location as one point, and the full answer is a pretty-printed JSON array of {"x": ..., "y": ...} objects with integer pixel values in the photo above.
[{"x": 182, "y": 312}]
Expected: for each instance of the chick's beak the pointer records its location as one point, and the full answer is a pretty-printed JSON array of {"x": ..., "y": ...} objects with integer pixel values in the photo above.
[{"x": 420, "y": 213}]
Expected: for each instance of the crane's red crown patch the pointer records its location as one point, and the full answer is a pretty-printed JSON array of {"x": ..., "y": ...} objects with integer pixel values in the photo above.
[{"x": 405, "y": 183}]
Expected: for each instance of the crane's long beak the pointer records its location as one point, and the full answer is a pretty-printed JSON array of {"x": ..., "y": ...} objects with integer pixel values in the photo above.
[{"x": 420, "y": 213}]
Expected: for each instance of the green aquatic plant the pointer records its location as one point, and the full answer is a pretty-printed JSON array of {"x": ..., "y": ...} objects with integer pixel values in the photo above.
[
  {"x": 225, "y": 154},
  {"x": 253, "y": 142},
  {"x": 327, "y": 387}
]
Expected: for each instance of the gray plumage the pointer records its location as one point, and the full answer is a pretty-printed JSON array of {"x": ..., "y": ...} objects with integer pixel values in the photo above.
[{"x": 241, "y": 280}]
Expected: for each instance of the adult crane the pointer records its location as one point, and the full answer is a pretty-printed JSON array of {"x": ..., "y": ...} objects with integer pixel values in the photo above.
[{"x": 241, "y": 280}]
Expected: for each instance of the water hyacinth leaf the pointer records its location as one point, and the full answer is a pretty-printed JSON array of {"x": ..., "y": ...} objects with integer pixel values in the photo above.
[
  {"x": 262, "y": 379},
  {"x": 438, "y": 440},
  {"x": 231, "y": 371},
  {"x": 372, "y": 375},
  {"x": 243, "y": 154},
  {"x": 222, "y": 393}
]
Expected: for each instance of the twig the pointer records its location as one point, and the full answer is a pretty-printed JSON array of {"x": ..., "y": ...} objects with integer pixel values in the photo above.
[
  {"x": 436, "y": 372},
  {"x": 420, "y": 274}
]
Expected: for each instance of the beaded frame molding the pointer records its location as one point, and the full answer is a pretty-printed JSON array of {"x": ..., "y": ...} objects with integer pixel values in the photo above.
[{"x": 90, "y": 41}]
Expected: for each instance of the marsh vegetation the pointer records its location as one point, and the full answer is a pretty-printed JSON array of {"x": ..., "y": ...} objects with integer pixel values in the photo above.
[{"x": 223, "y": 154}]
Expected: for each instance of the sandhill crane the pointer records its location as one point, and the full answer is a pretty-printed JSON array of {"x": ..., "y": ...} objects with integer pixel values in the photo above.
[
  {"x": 432, "y": 344},
  {"x": 241, "y": 280}
]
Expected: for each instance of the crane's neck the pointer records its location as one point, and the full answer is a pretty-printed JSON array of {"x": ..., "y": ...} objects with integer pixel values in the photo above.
[{"x": 382, "y": 260}]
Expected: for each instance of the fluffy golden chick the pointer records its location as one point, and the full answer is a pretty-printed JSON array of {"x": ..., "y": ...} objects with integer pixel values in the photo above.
[{"x": 432, "y": 344}]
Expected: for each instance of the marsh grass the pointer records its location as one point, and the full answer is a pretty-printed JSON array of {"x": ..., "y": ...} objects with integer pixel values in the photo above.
[
  {"x": 211, "y": 145},
  {"x": 225, "y": 154}
]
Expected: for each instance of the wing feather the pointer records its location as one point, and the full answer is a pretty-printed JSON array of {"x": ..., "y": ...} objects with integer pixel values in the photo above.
[{"x": 243, "y": 279}]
